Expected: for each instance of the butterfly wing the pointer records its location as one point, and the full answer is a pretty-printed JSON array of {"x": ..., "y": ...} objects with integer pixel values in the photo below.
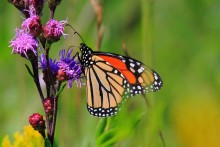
[
  {"x": 112, "y": 78},
  {"x": 140, "y": 78}
]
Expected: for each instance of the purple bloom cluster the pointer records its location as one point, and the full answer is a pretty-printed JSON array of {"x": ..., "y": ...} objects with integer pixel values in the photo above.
[
  {"x": 66, "y": 69},
  {"x": 54, "y": 29},
  {"x": 32, "y": 25},
  {"x": 70, "y": 66},
  {"x": 25, "y": 40},
  {"x": 24, "y": 44},
  {"x": 53, "y": 64}
]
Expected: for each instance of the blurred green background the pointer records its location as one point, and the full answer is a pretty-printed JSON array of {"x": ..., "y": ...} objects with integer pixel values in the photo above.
[{"x": 180, "y": 39}]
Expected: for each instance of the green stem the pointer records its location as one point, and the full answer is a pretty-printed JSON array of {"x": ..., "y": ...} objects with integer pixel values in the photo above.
[
  {"x": 35, "y": 68},
  {"x": 147, "y": 31},
  {"x": 147, "y": 39},
  {"x": 55, "y": 108}
]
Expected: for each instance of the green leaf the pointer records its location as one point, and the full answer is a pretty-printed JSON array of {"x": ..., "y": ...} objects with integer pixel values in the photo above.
[
  {"x": 55, "y": 143},
  {"x": 1, "y": 140},
  {"x": 48, "y": 44},
  {"x": 101, "y": 127},
  {"x": 109, "y": 143},
  {"x": 47, "y": 143},
  {"x": 106, "y": 136},
  {"x": 29, "y": 71},
  {"x": 61, "y": 90}
]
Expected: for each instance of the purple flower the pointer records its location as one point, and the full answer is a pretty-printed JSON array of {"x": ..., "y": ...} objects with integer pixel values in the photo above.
[
  {"x": 33, "y": 25},
  {"x": 53, "y": 64},
  {"x": 24, "y": 44},
  {"x": 70, "y": 66},
  {"x": 54, "y": 29}
]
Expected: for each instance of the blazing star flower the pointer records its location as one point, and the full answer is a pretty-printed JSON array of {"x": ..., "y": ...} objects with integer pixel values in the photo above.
[
  {"x": 70, "y": 66},
  {"x": 53, "y": 64},
  {"x": 53, "y": 67},
  {"x": 24, "y": 44},
  {"x": 33, "y": 25},
  {"x": 54, "y": 29}
]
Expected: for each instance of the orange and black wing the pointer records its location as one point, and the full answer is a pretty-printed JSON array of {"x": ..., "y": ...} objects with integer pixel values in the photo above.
[
  {"x": 105, "y": 88},
  {"x": 112, "y": 78}
]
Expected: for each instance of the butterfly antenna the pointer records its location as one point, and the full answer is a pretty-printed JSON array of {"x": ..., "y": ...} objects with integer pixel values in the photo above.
[
  {"x": 77, "y": 54},
  {"x": 72, "y": 46},
  {"x": 75, "y": 32}
]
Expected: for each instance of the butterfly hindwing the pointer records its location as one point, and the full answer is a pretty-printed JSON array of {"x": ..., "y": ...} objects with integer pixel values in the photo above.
[
  {"x": 105, "y": 88},
  {"x": 147, "y": 80}
]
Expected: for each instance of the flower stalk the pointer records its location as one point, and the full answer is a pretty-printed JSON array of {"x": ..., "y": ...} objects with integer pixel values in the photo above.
[{"x": 26, "y": 44}]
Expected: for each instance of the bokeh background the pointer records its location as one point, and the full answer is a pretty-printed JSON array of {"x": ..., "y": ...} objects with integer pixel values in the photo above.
[{"x": 180, "y": 39}]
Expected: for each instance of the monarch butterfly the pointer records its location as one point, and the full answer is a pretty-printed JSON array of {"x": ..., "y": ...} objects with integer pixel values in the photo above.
[{"x": 112, "y": 78}]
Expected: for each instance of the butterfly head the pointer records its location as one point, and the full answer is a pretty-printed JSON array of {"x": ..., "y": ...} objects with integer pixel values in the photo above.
[{"x": 83, "y": 47}]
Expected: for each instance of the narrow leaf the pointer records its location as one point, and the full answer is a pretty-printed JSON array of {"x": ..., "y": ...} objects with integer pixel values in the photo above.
[
  {"x": 61, "y": 90},
  {"x": 106, "y": 136},
  {"x": 109, "y": 143},
  {"x": 47, "y": 143},
  {"x": 29, "y": 71},
  {"x": 101, "y": 127}
]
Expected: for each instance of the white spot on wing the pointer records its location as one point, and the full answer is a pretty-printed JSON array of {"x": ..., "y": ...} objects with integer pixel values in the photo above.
[
  {"x": 132, "y": 64},
  {"x": 130, "y": 60},
  {"x": 155, "y": 77},
  {"x": 140, "y": 70}
]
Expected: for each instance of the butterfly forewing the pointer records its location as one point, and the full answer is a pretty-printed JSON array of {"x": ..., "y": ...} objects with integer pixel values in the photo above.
[{"x": 140, "y": 78}]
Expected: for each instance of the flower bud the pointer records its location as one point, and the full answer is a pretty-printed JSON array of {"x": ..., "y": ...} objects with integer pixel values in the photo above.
[
  {"x": 37, "y": 122},
  {"x": 33, "y": 25},
  {"x": 48, "y": 105},
  {"x": 61, "y": 75}
]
